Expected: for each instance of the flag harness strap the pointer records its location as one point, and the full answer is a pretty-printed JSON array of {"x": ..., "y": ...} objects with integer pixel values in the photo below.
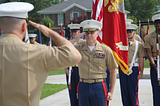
[{"x": 134, "y": 56}]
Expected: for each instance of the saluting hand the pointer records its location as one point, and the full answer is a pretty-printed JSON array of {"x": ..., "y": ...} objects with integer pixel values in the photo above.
[
  {"x": 76, "y": 39},
  {"x": 79, "y": 36},
  {"x": 44, "y": 29}
]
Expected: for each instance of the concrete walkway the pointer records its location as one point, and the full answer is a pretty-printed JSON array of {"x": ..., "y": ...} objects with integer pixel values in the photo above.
[{"x": 62, "y": 98}]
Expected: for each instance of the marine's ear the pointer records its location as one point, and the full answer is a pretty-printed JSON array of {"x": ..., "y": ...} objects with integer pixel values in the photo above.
[{"x": 24, "y": 26}]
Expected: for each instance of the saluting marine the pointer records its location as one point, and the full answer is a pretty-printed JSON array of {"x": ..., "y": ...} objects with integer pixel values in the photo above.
[
  {"x": 32, "y": 38},
  {"x": 129, "y": 83},
  {"x": 74, "y": 31},
  {"x": 24, "y": 67},
  {"x": 151, "y": 48},
  {"x": 96, "y": 57}
]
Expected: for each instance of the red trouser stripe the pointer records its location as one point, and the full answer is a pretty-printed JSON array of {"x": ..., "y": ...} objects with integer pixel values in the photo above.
[
  {"x": 105, "y": 91},
  {"x": 137, "y": 103},
  {"x": 77, "y": 89}
]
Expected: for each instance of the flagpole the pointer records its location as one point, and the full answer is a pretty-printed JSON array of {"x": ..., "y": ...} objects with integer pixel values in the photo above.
[
  {"x": 39, "y": 36},
  {"x": 50, "y": 40},
  {"x": 140, "y": 31},
  {"x": 139, "y": 26}
]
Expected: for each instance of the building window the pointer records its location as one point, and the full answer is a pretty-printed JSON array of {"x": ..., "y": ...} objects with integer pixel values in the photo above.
[
  {"x": 75, "y": 14},
  {"x": 60, "y": 19}
]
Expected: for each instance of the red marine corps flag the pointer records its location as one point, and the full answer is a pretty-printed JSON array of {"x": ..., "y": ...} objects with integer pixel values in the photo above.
[
  {"x": 111, "y": 14},
  {"x": 114, "y": 32}
]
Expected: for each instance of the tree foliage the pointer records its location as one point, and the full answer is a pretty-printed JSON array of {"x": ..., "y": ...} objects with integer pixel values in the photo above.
[
  {"x": 38, "y": 5},
  {"x": 141, "y": 9},
  {"x": 34, "y": 16},
  {"x": 49, "y": 23}
]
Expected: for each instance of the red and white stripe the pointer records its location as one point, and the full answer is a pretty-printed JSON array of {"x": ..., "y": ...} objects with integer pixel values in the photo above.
[{"x": 97, "y": 14}]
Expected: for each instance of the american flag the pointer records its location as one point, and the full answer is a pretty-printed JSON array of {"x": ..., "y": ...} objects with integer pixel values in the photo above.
[{"x": 97, "y": 14}]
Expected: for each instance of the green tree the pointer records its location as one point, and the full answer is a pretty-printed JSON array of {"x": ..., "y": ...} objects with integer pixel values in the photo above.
[
  {"x": 34, "y": 16},
  {"x": 38, "y": 5},
  {"x": 49, "y": 23},
  {"x": 133, "y": 18},
  {"x": 141, "y": 9}
]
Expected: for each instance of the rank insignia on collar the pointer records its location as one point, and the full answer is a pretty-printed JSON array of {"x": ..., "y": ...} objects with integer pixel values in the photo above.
[{"x": 99, "y": 55}]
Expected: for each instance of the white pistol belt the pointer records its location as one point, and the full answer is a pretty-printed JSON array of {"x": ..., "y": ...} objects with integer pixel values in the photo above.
[
  {"x": 155, "y": 58},
  {"x": 135, "y": 64}
]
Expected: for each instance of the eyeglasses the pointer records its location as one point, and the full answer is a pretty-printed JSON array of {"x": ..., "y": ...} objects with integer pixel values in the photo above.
[{"x": 90, "y": 32}]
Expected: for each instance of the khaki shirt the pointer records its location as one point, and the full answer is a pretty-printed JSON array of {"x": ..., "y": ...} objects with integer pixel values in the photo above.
[
  {"x": 79, "y": 41},
  {"x": 131, "y": 50},
  {"x": 25, "y": 67},
  {"x": 138, "y": 38},
  {"x": 150, "y": 42},
  {"x": 94, "y": 63},
  {"x": 36, "y": 43}
]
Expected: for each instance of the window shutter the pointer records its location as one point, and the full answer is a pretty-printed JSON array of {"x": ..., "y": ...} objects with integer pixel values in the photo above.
[
  {"x": 56, "y": 19},
  {"x": 64, "y": 21}
]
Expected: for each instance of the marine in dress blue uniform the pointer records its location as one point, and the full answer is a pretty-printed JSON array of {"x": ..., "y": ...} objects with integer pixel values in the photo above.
[
  {"x": 129, "y": 83},
  {"x": 150, "y": 46},
  {"x": 74, "y": 30},
  {"x": 96, "y": 57}
]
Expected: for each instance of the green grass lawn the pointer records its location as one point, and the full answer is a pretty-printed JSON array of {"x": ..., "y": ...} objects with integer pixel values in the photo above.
[
  {"x": 49, "y": 89},
  {"x": 146, "y": 64},
  {"x": 61, "y": 71}
]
